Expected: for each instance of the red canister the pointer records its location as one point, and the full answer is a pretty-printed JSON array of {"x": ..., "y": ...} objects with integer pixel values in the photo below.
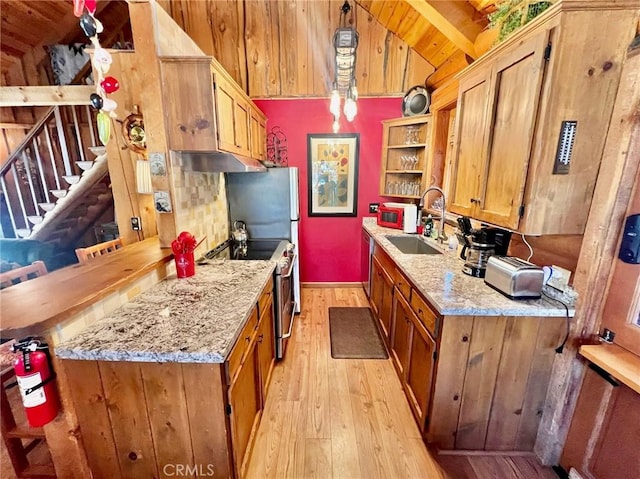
[{"x": 185, "y": 264}]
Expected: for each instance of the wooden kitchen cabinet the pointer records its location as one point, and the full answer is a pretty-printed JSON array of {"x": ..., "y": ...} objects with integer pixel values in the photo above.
[
  {"x": 382, "y": 297},
  {"x": 413, "y": 350},
  {"x": 382, "y": 291},
  {"x": 208, "y": 110},
  {"x": 246, "y": 404},
  {"x": 419, "y": 371},
  {"x": 232, "y": 115},
  {"x": 405, "y": 154},
  {"x": 248, "y": 389},
  {"x": 190, "y": 118},
  {"x": 266, "y": 346},
  {"x": 512, "y": 106},
  {"x": 472, "y": 382},
  {"x": 400, "y": 341},
  {"x": 258, "y": 133}
]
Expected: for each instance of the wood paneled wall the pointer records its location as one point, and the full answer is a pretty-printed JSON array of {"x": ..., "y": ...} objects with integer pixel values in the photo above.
[{"x": 286, "y": 48}]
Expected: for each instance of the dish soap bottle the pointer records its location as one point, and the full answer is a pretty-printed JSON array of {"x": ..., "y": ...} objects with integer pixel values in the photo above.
[{"x": 428, "y": 227}]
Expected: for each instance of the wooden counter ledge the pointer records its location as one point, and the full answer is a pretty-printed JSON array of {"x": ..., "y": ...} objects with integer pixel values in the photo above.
[
  {"x": 40, "y": 304},
  {"x": 620, "y": 363}
]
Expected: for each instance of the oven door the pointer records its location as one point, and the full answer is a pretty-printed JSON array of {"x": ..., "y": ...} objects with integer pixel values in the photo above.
[{"x": 285, "y": 308}]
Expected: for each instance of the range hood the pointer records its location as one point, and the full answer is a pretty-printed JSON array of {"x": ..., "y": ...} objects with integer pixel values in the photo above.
[{"x": 217, "y": 162}]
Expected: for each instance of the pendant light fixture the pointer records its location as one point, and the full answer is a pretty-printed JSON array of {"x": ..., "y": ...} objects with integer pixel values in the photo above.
[{"x": 345, "y": 43}]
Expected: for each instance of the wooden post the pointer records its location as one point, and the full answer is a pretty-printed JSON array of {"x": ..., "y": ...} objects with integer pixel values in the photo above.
[
  {"x": 63, "y": 433},
  {"x": 146, "y": 37},
  {"x": 620, "y": 162},
  {"x": 127, "y": 202}
]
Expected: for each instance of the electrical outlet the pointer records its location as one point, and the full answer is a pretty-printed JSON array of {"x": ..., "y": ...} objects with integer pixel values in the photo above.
[
  {"x": 559, "y": 278},
  {"x": 135, "y": 223},
  {"x": 373, "y": 207}
]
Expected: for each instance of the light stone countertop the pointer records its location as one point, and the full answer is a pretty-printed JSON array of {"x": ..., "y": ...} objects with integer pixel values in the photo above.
[
  {"x": 189, "y": 320},
  {"x": 440, "y": 279}
]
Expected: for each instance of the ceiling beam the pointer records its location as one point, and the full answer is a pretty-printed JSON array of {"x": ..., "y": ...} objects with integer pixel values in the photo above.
[
  {"x": 455, "y": 20},
  {"x": 45, "y": 95}
]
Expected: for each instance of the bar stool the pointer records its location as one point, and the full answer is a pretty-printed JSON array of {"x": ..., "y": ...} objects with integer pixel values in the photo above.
[
  {"x": 24, "y": 273},
  {"x": 87, "y": 254},
  {"x": 14, "y": 431}
]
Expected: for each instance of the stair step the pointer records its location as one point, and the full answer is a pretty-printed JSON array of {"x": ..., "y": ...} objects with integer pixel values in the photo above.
[
  {"x": 59, "y": 193},
  {"x": 26, "y": 433},
  {"x": 98, "y": 150},
  {"x": 35, "y": 219},
  {"x": 47, "y": 206},
  {"x": 23, "y": 232},
  {"x": 84, "y": 165},
  {"x": 72, "y": 179}
]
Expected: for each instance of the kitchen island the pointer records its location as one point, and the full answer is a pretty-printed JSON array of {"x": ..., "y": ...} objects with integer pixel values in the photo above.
[
  {"x": 474, "y": 365},
  {"x": 58, "y": 305},
  {"x": 176, "y": 378}
]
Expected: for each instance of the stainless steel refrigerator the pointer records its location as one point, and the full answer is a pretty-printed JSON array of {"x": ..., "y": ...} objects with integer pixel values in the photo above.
[{"x": 268, "y": 202}]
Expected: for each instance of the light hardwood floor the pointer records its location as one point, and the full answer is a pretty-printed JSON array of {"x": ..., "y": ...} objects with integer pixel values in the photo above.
[
  {"x": 349, "y": 419},
  {"x": 335, "y": 418}
]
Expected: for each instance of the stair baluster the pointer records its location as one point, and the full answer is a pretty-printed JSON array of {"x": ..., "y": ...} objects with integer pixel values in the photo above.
[
  {"x": 31, "y": 176},
  {"x": 63, "y": 143},
  {"x": 43, "y": 178},
  {"x": 52, "y": 156}
]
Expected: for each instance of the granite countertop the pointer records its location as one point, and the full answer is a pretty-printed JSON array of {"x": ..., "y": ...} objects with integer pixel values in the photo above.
[
  {"x": 440, "y": 279},
  {"x": 190, "y": 320}
]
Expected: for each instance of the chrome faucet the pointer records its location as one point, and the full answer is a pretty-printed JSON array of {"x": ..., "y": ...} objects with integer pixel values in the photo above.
[{"x": 441, "y": 236}]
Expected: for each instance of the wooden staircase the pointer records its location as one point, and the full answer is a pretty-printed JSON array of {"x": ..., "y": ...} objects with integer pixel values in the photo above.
[{"x": 55, "y": 185}]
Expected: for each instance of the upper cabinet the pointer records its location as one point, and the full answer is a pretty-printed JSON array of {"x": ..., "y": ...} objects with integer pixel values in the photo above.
[
  {"x": 405, "y": 150},
  {"x": 208, "y": 111},
  {"x": 532, "y": 118}
]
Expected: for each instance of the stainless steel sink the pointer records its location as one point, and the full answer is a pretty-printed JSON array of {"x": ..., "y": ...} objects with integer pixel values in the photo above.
[{"x": 411, "y": 245}]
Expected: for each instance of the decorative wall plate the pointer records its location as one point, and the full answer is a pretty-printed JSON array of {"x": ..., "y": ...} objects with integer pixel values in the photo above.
[
  {"x": 134, "y": 134},
  {"x": 416, "y": 101}
]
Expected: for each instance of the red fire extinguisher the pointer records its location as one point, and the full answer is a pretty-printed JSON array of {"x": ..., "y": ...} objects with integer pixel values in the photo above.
[{"x": 35, "y": 375}]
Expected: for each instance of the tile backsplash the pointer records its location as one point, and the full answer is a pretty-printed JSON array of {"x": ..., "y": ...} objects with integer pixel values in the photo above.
[{"x": 200, "y": 205}]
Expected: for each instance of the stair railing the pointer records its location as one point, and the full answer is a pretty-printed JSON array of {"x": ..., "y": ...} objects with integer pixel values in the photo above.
[{"x": 50, "y": 159}]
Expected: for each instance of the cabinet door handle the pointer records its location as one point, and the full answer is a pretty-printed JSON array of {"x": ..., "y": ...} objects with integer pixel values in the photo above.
[
  {"x": 420, "y": 312},
  {"x": 260, "y": 338},
  {"x": 248, "y": 338}
]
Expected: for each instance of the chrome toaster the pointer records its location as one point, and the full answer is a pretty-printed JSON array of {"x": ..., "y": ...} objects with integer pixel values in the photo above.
[{"x": 513, "y": 277}]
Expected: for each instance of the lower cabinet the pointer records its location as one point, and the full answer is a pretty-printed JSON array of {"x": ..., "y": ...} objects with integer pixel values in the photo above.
[
  {"x": 419, "y": 371},
  {"x": 246, "y": 404},
  {"x": 413, "y": 350},
  {"x": 472, "y": 382},
  {"x": 266, "y": 347},
  {"x": 248, "y": 388},
  {"x": 382, "y": 297},
  {"x": 400, "y": 341},
  {"x": 141, "y": 419},
  {"x": 403, "y": 326}
]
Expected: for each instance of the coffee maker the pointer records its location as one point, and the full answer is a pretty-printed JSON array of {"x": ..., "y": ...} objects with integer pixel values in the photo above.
[{"x": 479, "y": 245}]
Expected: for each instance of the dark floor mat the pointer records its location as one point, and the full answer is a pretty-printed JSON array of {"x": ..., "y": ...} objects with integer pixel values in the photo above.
[{"x": 354, "y": 334}]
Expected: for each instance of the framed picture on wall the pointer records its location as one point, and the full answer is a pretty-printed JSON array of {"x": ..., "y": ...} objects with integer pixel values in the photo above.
[{"x": 333, "y": 174}]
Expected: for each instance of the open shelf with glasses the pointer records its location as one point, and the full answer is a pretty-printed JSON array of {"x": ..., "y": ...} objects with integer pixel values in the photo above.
[{"x": 405, "y": 151}]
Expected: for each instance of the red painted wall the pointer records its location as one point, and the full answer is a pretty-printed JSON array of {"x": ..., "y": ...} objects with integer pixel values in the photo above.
[{"x": 330, "y": 247}]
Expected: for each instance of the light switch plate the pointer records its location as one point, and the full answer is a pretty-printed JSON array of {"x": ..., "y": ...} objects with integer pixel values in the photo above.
[{"x": 559, "y": 278}]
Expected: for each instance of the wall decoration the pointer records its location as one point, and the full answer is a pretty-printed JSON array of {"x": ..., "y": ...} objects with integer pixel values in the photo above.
[
  {"x": 276, "y": 148},
  {"x": 333, "y": 174},
  {"x": 162, "y": 200},
  {"x": 158, "y": 164}
]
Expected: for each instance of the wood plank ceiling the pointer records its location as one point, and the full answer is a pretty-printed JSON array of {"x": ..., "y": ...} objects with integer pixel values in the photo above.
[{"x": 283, "y": 48}]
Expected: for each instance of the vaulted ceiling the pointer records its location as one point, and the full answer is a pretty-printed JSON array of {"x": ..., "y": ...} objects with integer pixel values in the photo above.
[{"x": 280, "y": 48}]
